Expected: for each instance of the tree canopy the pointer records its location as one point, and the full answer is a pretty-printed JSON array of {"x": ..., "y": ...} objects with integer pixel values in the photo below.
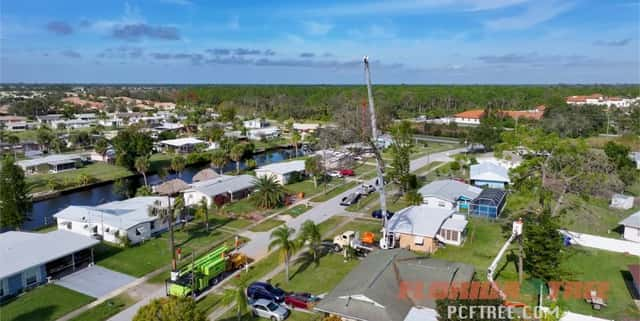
[{"x": 14, "y": 195}]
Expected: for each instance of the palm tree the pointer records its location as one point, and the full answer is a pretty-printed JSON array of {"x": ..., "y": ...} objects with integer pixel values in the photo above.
[
  {"x": 13, "y": 140},
  {"x": 165, "y": 214},
  {"x": 295, "y": 139},
  {"x": 218, "y": 159},
  {"x": 101, "y": 147},
  {"x": 236, "y": 154},
  {"x": 178, "y": 164},
  {"x": 282, "y": 238},
  {"x": 310, "y": 232},
  {"x": 203, "y": 212},
  {"x": 312, "y": 167},
  {"x": 142, "y": 166},
  {"x": 268, "y": 192},
  {"x": 236, "y": 296}
]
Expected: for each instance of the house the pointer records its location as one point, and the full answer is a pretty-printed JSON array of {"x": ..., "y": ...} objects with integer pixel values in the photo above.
[
  {"x": 219, "y": 190},
  {"x": 449, "y": 194},
  {"x": 489, "y": 203},
  {"x": 263, "y": 133},
  {"x": 254, "y": 123},
  {"x": 489, "y": 174},
  {"x": 181, "y": 145},
  {"x": 130, "y": 218},
  {"x": 29, "y": 259},
  {"x": 622, "y": 202},
  {"x": 48, "y": 119},
  {"x": 376, "y": 289},
  {"x": 283, "y": 172},
  {"x": 632, "y": 227},
  {"x": 418, "y": 228},
  {"x": 108, "y": 157},
  {"x": 601, "y": 100},
  {"x": 469, "y": 117},
  {"x": 13, "y": 123},
  {"x": 52, "y": 163},
  {"x": 333, "y": 159},
  {"x": 71, "y": 123},
  {"x": 305, "y": 128},
  {"x": 532, "y": 114}
]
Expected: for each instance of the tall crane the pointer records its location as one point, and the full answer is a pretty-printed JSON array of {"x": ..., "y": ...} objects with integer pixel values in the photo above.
[{"x": 385, "y": 243}]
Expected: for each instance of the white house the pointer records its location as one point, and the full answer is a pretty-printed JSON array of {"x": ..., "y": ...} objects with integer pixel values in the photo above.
[
  {"x": 620, "y": 201},
  {"x": 254, "y": 123},
  {"x": 264, "y": 132},
  {"x": 112, "y": 221},
  {"x": 181, "y": 145},
  {"x": 282, "y": 171},
  {"x": 632, "y": 227},
  {"x": 219, "y": 190},
  {"x": 469, "y": 117},
  {"x": 449, "y": 194},
  {"x": 306, "y": 127},
  {"x": 52, "y": 163},
  {"x": 490, "y": 175}
]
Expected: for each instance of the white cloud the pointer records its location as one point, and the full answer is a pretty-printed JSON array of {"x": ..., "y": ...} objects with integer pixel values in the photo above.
[
  {"x": 533, "y": 14},
  {"x": 317, "y": 28}
]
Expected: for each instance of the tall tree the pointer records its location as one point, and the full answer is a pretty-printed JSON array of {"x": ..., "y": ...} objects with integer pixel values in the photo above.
[
  {"x": 282, "y": 238},
  {"x": 219, "y": 159},
  {"x": 101, "y": 147},
  {"x": 203, "y": 212},
  {"x": 44, "y": 137},
  {"x": 170, "y": 309},
  {"x": 401, "y": 148},
  {"x": 236, "y": 155},
  {"x": 268, "y": 192},
  {"x": 14, "y": 195},
  {"x": 312, "y": 167},
  {"x": 130, "y": 144},
  {"x": 295, "y": 140},
  {"x": 142, "y": 166},
  {"x": 178, "y": 163},
  {"x": 310, "y": 233},
  {"x": 236, "y": 296}
]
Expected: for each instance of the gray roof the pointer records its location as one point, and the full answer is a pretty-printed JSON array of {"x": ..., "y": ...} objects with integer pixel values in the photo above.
[
  {"x": 450, "y": 190},
  {"x": 419, "y": 220},
  {"x": 283, "y": 168},
  {"x": 119, "y": 214},
  {"x": 205, "y": 175},
  {"x": 22, "y": 250},
  {"x": 455, "y": 223},
  {"x": 633, "y": 220},
  {"x": 370, "y": 291},
  {"x": 224, "y": 184},
  {"x": 51, "y": 159},
  {"x": 489, "y": 172}
]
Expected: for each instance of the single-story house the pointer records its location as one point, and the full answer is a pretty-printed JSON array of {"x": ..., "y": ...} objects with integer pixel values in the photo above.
[
  {"x": 112, "y": 221},
  {"x": 632, "y": 227},
  {"x": 489, "y": 203},
  {"x": 108, "y": 157},
  {"x": 333, "y": 159},
  {"x": 621, "y": 201},
  {"x": 306, "y": 127},
  {"x": 219, "y": 190},
  {"x": 254, "y": 123},
  {"x": 449, "y": 194},
  {"x": 489, "y": 175},
  {"x": 418, "y": 228},
  {"x": 71, "y": 123},
  {"x": 263, "y": 133},
  {"x": 282, "y": 171},
  {"x": 49, "y": 118},
  {"x": 52, "y": 163},
  {"x": 469, "y": 117},
  {"x": 29, "y": 259},
  {"x": 181, "y": 145},
  {"x": 383, "y": 287}
]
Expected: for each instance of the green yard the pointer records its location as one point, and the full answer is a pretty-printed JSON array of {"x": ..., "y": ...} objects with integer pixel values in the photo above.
[
  {"x": 99, "y": 172},
  {"x": 297, "y": 210},
  {"x": 48, "y": 302},
  {"x": 593, "y": 216},
  {"x": 305, "y": 187},
  {"x": 266, "y": 225},
  {"x": 106, "y": 309},
  {"x": 361, "y": 226},
  {"x": 334, "y": 192},
  {"x": 426, "y": 168},
  {"x": 243, "y": 207}
]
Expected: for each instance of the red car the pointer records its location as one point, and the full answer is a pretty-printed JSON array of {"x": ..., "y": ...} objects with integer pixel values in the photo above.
[
  {"x": 347, "y": 172},
  {"x": 299, "y": 300}
]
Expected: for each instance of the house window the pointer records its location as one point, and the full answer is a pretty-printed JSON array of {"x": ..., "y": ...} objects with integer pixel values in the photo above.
[
  {"x": 454, "y": 236},
  {"x": 418, "y": 240},
  {"x": 139, "y": 231},
  {"x": 152, "y": 225},
  {"x": 31, "y": 276},
  {"x": 448, "y": 237}
]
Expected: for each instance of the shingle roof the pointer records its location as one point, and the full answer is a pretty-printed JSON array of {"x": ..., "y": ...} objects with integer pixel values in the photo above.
[
  {"x": 283, "y": 167},
  {"x": 474, "y": 113},
  {"x": 419, "y": 220},
  {"x": 224, "y": 184},
  {"x": 449, "y": 190},
  {"x": 633, "y": 220},
  {"x": 489, "y": 172},
  {"x": 22, "y": 250},
  {"x": 371, "y": 290}
]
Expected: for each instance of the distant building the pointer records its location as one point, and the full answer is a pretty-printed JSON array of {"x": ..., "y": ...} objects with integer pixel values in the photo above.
[
  {"x": 13, "y": 123},
  {"x": 532, "y": 114},
  {"x": 469, "y": 117},
  {"x": 282, "y": 171},
  {"x": 219, "y": 190},
  {"x": 181, "y": 145},
  {"x": 632, "y": 227},
  {"x": 29, "y": 259},
  {"x": 635, "y": 156},
  {"x": 130, "y": 218},
  {"x": 306, "y": 128},
  {"x": 622, "y": 202},
  {"x": 263, "y": 133},
  {"x": 601, "y": 100},
  {"x": 449, "y": 194},
  {"x": 52, "y": 163},
  {"x": 254, "y": 123},
  {"x": 490, "y": 175}
]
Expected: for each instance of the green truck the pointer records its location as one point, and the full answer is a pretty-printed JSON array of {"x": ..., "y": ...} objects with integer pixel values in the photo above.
[{"x": 204, "y": 272}]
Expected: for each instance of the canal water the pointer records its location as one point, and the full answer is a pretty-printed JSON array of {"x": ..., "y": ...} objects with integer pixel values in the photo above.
[{"x": 42, "y": 211}]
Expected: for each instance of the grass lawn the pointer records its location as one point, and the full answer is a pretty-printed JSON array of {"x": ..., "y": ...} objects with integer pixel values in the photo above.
[
  {"x": 363, "y": 169},
  {"x": 316, "y": 279},
  {"x": 362, "y": 225},
  {"x": 424, "y": 169},
  {"x": 106, "y": 309},
  {"x": 159, "y": 160},
  {"x": 153, "y": 254},
  {"x": 98, "y": 171},
  {"x": 243, "y": 207},
  {"x": 334, "y": 192},
  {"x": 297, "y": 210},
  {"x": 593, "y": 216},
  {"x": 363, "y": 202},
  {"x": 595, "y": 265},
  {"x": 266, "y": 225},
  {"x": 209, "y": 303},
  {"x": 305, "y": 187},
  {"x": 44, "y": 303}
]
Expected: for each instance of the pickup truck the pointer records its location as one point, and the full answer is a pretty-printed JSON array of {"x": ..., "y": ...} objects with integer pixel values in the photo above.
[{"x": 352, "y": 239}]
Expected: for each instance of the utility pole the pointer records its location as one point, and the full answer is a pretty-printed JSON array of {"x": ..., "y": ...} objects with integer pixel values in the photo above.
[{"x": 374, "y": 136}]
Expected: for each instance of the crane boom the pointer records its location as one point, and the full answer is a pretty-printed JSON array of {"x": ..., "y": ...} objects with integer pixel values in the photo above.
[{"x": 379, "y": 164}]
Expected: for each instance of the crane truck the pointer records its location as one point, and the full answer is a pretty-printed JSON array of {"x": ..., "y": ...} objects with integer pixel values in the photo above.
[{"x": 204, "y": 272}]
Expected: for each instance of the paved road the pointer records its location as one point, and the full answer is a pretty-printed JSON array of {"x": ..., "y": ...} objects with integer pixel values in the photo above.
[
  {"x": 257, "y": 247},
  {"x": 603, "y": 243}
]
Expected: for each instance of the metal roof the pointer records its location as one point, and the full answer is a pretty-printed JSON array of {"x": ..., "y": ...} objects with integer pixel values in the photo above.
[
  {"x": 182, "y": 141},
  {"x": 489, "y": 172},
  {"x": 419, "y": 220},
  {"x": 283, "y": 168},
  {"x": 223, "y": 184},
  {"x": 51, "y": 159},
  {"x": 455, "y": 223},
  {"x": 450, "y": 190},
  {"x": 22, "y": 250},
  {"x": 633, "y": 220}
]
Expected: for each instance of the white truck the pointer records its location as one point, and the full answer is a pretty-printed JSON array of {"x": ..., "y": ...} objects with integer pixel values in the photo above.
[{"x": 352, "y": 239}]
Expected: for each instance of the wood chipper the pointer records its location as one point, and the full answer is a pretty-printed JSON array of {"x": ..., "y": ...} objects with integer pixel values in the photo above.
[{"x": 205, "y": 271}]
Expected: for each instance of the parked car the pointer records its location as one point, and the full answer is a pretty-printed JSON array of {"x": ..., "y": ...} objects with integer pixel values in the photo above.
[
  {"x": 300, "y": 300},
  {"x": 334, "y": 174},
  {"x": 367, "y": 188},
  {"x": 347, "y": 172},
  {"x": 262, "y": 290},
  {"x": 378, "y": 214},
  {"x": 268, "y": 309},
  {"x": 350, "y": 199}
]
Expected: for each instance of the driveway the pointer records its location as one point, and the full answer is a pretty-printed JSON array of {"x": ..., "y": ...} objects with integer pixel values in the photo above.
[
  {"x": 603, "y": 243},
  {"x": 95, "y": 281}
]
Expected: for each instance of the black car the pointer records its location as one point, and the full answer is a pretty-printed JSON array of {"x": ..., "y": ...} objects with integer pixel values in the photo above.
[
  {"x": 378, "y": 214},
  {"x": 262, "y": 290}
]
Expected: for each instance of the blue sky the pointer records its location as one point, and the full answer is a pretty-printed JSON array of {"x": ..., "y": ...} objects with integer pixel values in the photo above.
[{"x": 409, "y": 41}]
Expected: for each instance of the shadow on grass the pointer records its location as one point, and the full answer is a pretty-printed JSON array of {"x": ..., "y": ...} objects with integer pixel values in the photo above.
[
  {"x": 42, "y": 313},
  {"x": 628, "y": 282},
  {"x": 306, "y": 259}
]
